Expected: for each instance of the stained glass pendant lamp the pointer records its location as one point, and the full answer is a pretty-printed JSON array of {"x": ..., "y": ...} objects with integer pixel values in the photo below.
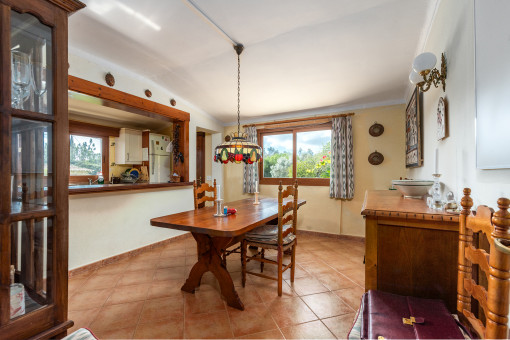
[{"x": 237, "y": 148}]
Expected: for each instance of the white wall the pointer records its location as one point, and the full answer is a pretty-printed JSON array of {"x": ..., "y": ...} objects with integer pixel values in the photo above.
[
  {"x": 452, "y": 32},
  {"x": 108, "y": 224}
]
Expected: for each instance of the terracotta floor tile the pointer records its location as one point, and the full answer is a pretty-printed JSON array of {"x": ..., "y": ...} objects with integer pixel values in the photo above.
[
  {"x": 101, "y": 282},
  {"x": 268, "y": 289},
  {"x": 340, "y": 325},
  {"x": 300, "y": 272},
  {"x": 117, "y": 316},
  {"x": 316, "y": 267},
  {"x": 326, "y": 305},
  {"x": 159, "y": 289},
  {"x": 162, "y": 308},
  {"x": 357, "y": 275},
  {"x": 76, "y": 283},
  {"x": 334, "y": 281},
  {"x": 307, "y": 286},
  {"x": 214, "y": 325},
  {"x": 255, "y": 318},
  {"x": 114, "y": 268},
  {"x": 352, "y": 296},
  {"x": 291, "y": 311},
  {"x": 129, "y": 293},
  {"x": 89, "y": 299},
  {"x": 136, "y": 277},
  {"x": 124, "y": 333},
  {"x": 175, "y": 273},
  {"x": 274, "y": 334},
  {"x": 309, "y": 330},
  {"x": 82, "y": 318},
  {"x": 248, "y": 295},
  {"x": 169, "y": 328},
  {"x": 304, "y": 256},
  {"x": 173, "y": 252},
  {"x": 203, "y": 302},
  {"x": 141, "y": 265},
  {"x": 170, "y": 262}
]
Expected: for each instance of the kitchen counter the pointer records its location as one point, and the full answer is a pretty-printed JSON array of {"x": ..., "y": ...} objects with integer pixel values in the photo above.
[{"x": 95, "y": 188}]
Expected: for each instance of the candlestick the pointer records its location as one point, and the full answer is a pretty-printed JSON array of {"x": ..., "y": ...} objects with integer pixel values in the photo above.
[
  {"x": 219, "y": 208},
  {"x": 436, "y": 158},
  {"x": 437, "y": 203}
]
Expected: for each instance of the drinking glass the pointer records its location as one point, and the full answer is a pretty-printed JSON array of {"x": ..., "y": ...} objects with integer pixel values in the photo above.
[{"x": 39, "y": 83}]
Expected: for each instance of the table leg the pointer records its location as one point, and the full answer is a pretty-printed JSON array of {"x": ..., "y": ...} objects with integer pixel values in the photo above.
[{"x": 210, "y": 250}]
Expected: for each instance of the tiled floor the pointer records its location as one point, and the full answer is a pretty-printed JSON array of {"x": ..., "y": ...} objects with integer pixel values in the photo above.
[{"x": 141, "y": 298}]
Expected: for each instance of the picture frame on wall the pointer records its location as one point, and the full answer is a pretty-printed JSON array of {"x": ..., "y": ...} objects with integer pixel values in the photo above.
[
  {"x": 413, "y": 131},
  {"x": 442, "y": 119}
]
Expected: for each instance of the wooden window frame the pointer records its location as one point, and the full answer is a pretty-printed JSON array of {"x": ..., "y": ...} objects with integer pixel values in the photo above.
[
  {"x": 292, "y": 130},
  {"x": 95, "y": 131}
]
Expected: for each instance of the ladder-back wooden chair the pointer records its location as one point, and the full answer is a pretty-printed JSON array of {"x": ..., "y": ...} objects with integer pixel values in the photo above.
[
  {"x": 203, "y": 188},
  {"x": 493, "y": 302},
  {"x": 495, "y": 266},
  {"x": 279, "y": 237}
]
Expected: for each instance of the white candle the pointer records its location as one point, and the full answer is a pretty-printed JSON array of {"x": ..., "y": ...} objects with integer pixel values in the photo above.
[
  {"x": 256, "y": 186},
  {"x": 218, "y": 192},
  {"x": 436, "y": 157}
]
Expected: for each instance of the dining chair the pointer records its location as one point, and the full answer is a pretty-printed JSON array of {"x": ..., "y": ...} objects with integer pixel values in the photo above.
[
  {"x": 198, "y": 189},
  {"x": 280, "y": 237},
  {"x": 204, "y": 188}
]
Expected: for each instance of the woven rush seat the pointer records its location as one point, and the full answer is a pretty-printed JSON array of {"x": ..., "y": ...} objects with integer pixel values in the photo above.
[{"x": 267, "y": 235}]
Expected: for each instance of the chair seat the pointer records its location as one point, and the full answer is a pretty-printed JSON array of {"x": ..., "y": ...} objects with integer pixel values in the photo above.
[{"x": 268, "y": 235}]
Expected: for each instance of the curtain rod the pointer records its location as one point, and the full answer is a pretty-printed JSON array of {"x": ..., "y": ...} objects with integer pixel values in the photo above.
[{"x": 301, "y": 119}]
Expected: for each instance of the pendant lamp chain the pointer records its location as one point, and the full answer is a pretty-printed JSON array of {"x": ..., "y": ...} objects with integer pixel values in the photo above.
[
  {"x": 238, "y": 93},
  {"x": 236, "y": 147}
]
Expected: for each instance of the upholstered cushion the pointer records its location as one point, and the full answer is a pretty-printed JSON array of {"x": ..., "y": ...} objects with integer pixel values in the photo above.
[
  {"x": 268, "y": 234},
  {"x": 81, "y": 334}
]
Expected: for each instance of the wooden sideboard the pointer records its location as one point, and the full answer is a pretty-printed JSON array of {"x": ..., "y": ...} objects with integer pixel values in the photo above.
[{"x": 410, "y": 249}]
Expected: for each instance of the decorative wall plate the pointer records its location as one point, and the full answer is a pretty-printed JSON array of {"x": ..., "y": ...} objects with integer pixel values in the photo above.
[
  {"x": 173, "y": 102},
  {"x": 376, "y": 130},
  {"x": 148, "y": 93},
  {"x": 375, "y": 158},
  {"x": 109, "y": 79}
]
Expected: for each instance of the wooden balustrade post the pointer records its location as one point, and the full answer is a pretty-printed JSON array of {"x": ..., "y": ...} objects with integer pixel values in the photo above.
[
  {"x": 464, "y": 266},
  {"x": 499, "y": 278}
]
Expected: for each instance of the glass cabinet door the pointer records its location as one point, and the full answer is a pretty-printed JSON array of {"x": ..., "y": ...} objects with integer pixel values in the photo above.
[
  {"x": 32, "y": 162},
  {"x": 31, "y": 64}
]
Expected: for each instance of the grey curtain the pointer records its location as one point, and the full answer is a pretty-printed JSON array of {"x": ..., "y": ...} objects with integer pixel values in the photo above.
[
  {"x": 251, "y": 171},
  {"x": 341, "y": 183}
]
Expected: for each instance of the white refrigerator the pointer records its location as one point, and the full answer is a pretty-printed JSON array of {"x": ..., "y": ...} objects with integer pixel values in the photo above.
[{"x": 159, "y": 158}]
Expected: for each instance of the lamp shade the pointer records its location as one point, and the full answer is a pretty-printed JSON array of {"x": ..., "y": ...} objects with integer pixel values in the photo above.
[
  {"x": 415, "y": 78},
  {"x": 237, "y": 150},
  {"x": 423, "y": 62}
]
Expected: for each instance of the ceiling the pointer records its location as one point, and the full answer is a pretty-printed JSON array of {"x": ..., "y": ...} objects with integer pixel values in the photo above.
[{"x": 300, "y": 57}]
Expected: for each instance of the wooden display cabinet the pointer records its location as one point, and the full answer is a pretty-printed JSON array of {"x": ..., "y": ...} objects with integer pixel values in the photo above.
[{"x": 34, "y": 168}]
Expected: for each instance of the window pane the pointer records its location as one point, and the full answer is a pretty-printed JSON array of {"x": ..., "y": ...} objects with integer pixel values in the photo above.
[
  {"x": 31, "y": 64},
  {"x": 277, "y": 156},
  {"x": 313, "y": 154},
  {"x": 31, "y": 165},
  {"x": 86, "y": 155},
  {"x": 30, "y": 267}
]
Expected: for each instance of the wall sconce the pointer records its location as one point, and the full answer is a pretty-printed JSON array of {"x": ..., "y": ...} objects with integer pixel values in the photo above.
[{"x": 423, "y": 73}]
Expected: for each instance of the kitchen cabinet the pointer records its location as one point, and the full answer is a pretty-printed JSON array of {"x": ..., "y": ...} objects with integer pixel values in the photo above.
[
  {"x": 410, "y": 249},
  {"x": 128, "y": 147},
  {"x": 34, "y": 168}
]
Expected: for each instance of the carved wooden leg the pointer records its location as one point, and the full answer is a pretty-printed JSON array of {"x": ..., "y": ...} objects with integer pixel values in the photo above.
[
  {"x": 202, "y": 265},
  {"x": 243, "y": 260},
  {"x": 280, "y": 263},
  {"x": 210, "y": 250}
]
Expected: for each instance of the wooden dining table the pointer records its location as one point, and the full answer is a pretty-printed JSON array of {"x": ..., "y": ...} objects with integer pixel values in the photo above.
[{"x": 215, "y": 234}]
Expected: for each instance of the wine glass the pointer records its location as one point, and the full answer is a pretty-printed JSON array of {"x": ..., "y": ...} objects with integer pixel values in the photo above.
[
  {"x": 39, "y": 81},
  {"x": 20, "y": 70}
]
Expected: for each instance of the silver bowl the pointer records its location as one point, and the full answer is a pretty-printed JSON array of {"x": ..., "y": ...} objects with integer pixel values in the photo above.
[{"x": 412, "y": 188}]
